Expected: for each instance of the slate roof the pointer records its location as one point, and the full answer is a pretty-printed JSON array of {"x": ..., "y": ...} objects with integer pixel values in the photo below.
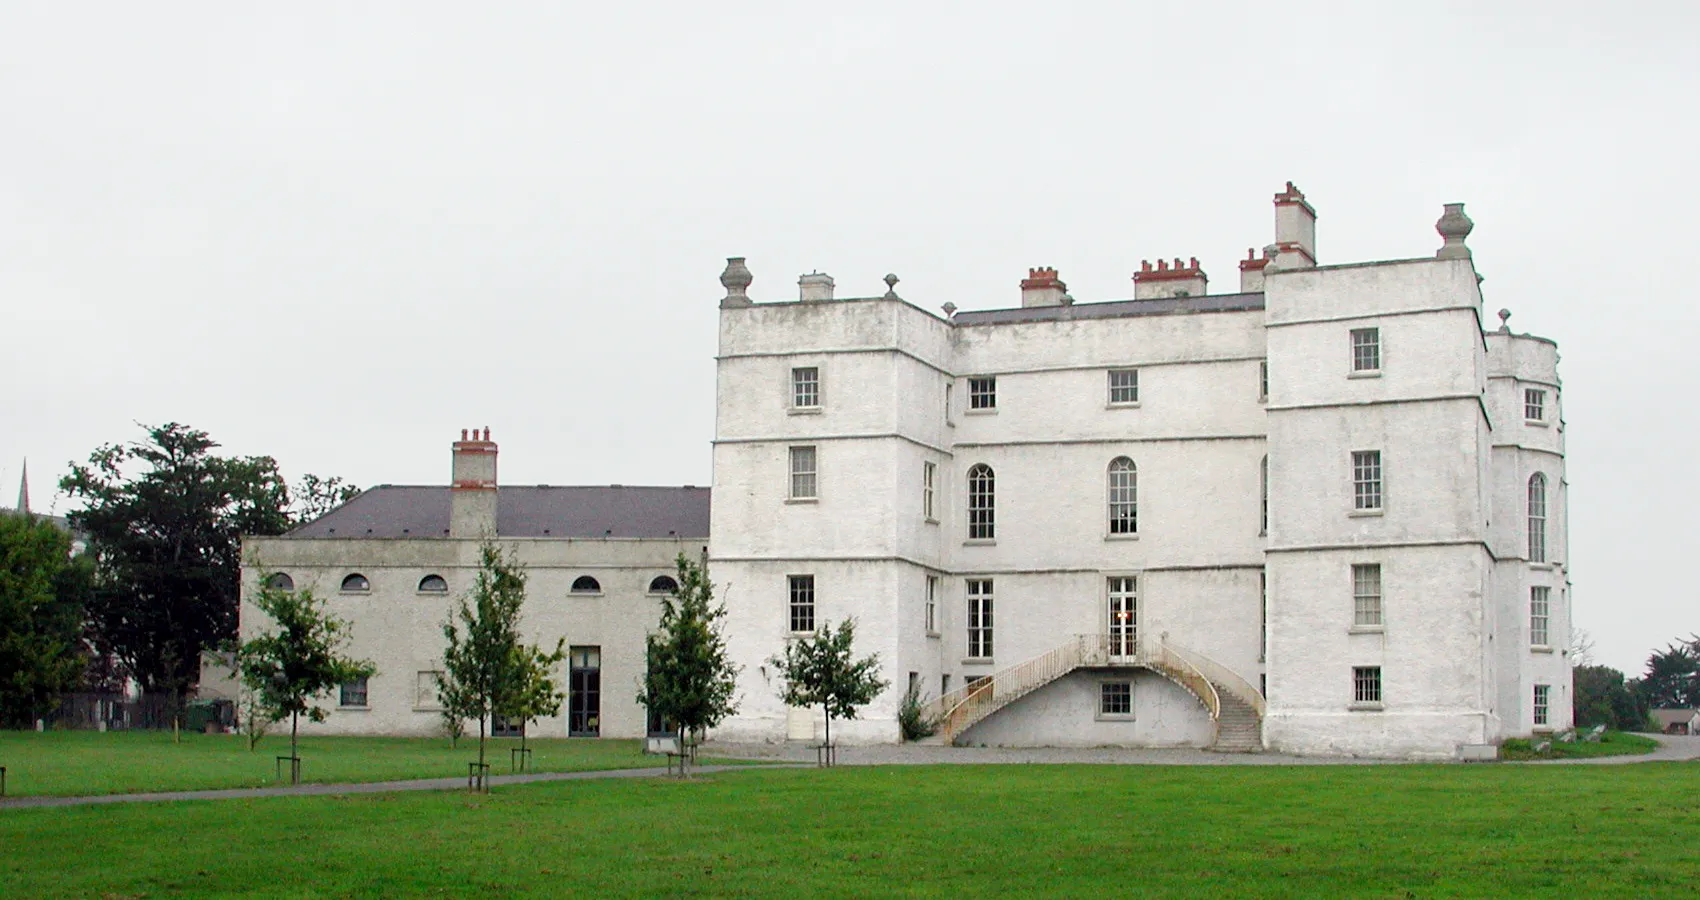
[
  {"x": 543, "y": 511},
  {"x": 1113, "y": 309}
]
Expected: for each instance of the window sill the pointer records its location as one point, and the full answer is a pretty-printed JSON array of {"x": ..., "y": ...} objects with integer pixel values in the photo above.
[
  {"x": 978, "y": 661},
  {"x": 432, "y": 593},
  {"x": 1263, "y": 399},
  {"x": 360, "y": 708},
  {"x": 427, "y": 709},
  {"x": 1540, "y": 648},
  {"x": 1122, "y": 537},
  {"x": 1537, "y": 423},
  {"x": 584, "y": 593},
  {"x": 933, "y": 635},
  {"x": 929, "y": 520},
  {"x": 355, "y": 593},
  {"x": 1114, "y": 717},
  {"x": 790, "y": 500},
  {"x": 1367, "y": 629},
  {"x": 1364, "y": 707},
  {"x": 1365, "y": 373},
  {"x": 1541, "y": 566},
  {"x": 1364, "y": 513},
  {"x": 980, "y": 542},
  {"x": 800, "y": 635},
  {"x": 1132, "y": 404},
  {"x": 804, "y": 411},
  {"x": 989, "y": 411}
]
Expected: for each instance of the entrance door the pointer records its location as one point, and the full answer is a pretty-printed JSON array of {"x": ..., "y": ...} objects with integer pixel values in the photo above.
[
  {"x": 584, "y": 692},
  {"x": 1124, "y": 618}
]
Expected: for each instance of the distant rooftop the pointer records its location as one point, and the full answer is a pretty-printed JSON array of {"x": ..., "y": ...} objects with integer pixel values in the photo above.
[
  {"x": 1113, "y": 309},
  {"x": 542, "y": 511}
]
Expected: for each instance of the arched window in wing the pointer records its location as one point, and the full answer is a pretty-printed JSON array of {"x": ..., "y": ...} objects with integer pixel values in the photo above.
[
  {"x": 982, "y": 503},
  {"x": 433, "y": 584},
  {"x": 584, "y": 584},
  {"x": 663, "y": 584},
  {"x": 1124, "y": 496},
  {"x": 355, "y": 583}
]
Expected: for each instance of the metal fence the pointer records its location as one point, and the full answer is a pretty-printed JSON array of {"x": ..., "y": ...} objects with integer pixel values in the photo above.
[{"x": 116, "y": 712}]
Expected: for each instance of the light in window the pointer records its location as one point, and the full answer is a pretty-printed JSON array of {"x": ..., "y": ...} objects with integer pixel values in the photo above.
[
  {"x": 803, "y": 473},
  {"x": 1124, "y": 385},
  {"x": 1366, "y": 349},
  {"x": 805, "y": 387}
]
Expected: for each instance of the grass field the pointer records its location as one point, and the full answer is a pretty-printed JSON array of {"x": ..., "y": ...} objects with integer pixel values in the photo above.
[
  {"x": 1611, "y": 743},
  {"x": 63, "y": 763},
  {"x": 1087, "y": 831}
]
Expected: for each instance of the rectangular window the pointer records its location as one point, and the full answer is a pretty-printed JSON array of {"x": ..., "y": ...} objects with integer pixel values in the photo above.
[
  {"x": 1366, "y": 595},
  {"x": 584, "y": 693},
  {"x": 1124, "y": 386},
  {"x": 1540, "y": 611},
  {"x": 803, "y": 473},
  {"x": 929, "y": 474},
  {"x": 805, "y": 387},
  {"x": 1366, "y": 479},
  {"x": 353, "y": 693},
  {"x": 932, "y": 607},
  {"x": 802, "y": 604},
  {"x": 1115, "y": 698},
  {"x": 983, "y": 392},
  {"x": 1262, "y": 616},
  {"x": 425, "y": 686},
  {"x": 1543, "y": 693},
  {"x": 944, "y": 685},
  {"x": 1366, "y": 349},
  {"x": 1534, "y": 404},
  {"x": 1366, "y": 684},
  {"x": 1263, "y": 381},
  {"x": 979, "y": 618}
]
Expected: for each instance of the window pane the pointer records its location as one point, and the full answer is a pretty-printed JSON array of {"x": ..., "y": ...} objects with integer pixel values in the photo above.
[
  {"x": 1366, "y": 349},
  {"x": 929, "y": 472},
  {"x": 980, "y": 618},
  {"x": 1366, "y": 479},
  {"x": 982, "y": 522},
  {"x": 1124, "y": 496},
  {"x": 802, "y": 606},
  {"x": 805, "y": 387},
  {"x": 1540, "y": 616},
  {"x": 983, "y": 392},
  {"x": 1537, "y": 518},
  {"x": 1115, "y": 698},
  {"x": 1366, "y": 684},
  {"x": 1124, "y": 385},
  {"x": 1366, "y": 595},
  {"x": 802, "y": 473},
  {"x": 1534, "y": 404}
]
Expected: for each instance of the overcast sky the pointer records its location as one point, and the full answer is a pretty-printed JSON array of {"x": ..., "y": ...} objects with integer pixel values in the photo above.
[{"x": 338, "y": 233}]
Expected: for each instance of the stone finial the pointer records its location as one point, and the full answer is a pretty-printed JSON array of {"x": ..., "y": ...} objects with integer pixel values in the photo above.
[
  {"x": 1505, "y": 320},
  {"x": 1454, "y": 227},
  {"x": 891, "y": 288},
  {"x": 949, "y": 309},
  {"x": 736, "y": 279}
]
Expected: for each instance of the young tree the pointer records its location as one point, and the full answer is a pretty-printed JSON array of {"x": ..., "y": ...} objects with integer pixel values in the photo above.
[
  {"x": 690, "y": 680},
  {"x": 535, "y": 693},
  {"x": 821, "y": 670},
  {"x": 287, "y": 669},
  {"x": 486, "y": 669},
  {"x": 1672, "y": 679},
  {"x": 42, "y": 592},
  {"x": 165, "y": 518}
]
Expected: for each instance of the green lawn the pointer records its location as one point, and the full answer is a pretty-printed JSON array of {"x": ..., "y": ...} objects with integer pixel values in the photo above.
[
  {"x": 975, "y": 831},
  {"x": 64, "y": 763},
  {"x": 1611, "y": 743}
]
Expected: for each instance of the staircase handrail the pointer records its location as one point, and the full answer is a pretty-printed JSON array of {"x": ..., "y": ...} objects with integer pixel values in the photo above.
[
  {"x": 1220, "y": 676},
  {"x": 1180, "y": 668},
  {"x": 960, "y": 709}
]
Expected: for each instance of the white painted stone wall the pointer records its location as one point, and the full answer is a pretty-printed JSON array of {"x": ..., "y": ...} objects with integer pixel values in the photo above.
[
  {"x": 1065, "y": 713},
  {"x": 399, "y": 628}
]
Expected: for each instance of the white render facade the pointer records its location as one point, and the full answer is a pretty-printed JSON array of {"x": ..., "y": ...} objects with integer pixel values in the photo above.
[
  {"x": 1335, "y": 497},
  {"x": 393, "y": 562}
]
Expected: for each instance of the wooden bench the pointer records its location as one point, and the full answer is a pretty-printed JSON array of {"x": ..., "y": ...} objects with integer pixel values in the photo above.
[{"x": 670, "y": 745}]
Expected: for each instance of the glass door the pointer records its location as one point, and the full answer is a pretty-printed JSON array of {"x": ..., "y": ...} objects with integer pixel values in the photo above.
[
  {"x": 1123, "y": 618},
  {"x": 584, "y": 692}
]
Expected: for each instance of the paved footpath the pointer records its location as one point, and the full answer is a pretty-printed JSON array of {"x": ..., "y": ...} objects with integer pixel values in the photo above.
[
  {"x": 1671, "y": 748},
  {"x": 373, "y": 787}
]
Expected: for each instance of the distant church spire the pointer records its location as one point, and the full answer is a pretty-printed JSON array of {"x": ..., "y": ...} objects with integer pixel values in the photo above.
[{"x": 24, "y": 489}]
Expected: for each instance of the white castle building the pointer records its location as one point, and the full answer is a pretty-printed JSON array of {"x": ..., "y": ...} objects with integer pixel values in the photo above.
[{"x": 1323, "y": 514}]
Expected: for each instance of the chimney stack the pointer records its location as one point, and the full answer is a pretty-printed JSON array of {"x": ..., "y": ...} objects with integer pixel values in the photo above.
[
  {"x": 1251, "y": 269},
  {"x": 472, "y": 495},
  {"x": 1295, "y": 230},
  {"x": 814, "y": 286},
  {"x": 1042, "y": 287},
  {"x": 1185, "y": 279}
]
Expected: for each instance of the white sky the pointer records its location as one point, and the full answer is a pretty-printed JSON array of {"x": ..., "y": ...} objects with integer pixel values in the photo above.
[{"x": 338, "y": 233}]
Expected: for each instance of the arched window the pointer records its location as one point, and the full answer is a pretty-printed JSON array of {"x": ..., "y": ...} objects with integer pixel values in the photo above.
[
  {"x": 356, "y": 583},
  {"x": 1263, "y": 494},
  {"x": 663, "y": 584},
  {"x": 584, "y": 584},
  {"x": 280, "y": 582},
  {"x": 1124, "y": 496},
  {"x": 1537, "y": 518},
  {"x": 982, "y": 522},
  {"x": 433, "y": 584}
]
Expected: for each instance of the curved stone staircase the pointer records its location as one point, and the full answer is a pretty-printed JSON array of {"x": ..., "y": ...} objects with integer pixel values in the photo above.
[{"x": 1235, "y": 706}]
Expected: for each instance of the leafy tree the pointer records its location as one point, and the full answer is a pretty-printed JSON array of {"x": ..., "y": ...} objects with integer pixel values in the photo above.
[
  {"x": 287, "y": 669},
  {"x": 165, "y": 518},
  {"x": 821, "y": 669},
  {"x": 690, "y": 681},
  {"x": 42, "y": 591},
  {"x": 314, "y": 496},
  {"x": 1601, "y": 697},
  {"x": 1672, "y": 679},
  {"x": 535, "y": 693},
  {"x": 487, "y": 671}
]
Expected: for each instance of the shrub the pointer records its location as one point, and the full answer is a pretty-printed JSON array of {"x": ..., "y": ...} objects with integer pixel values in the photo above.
[{"x": 912, "y": 716}]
